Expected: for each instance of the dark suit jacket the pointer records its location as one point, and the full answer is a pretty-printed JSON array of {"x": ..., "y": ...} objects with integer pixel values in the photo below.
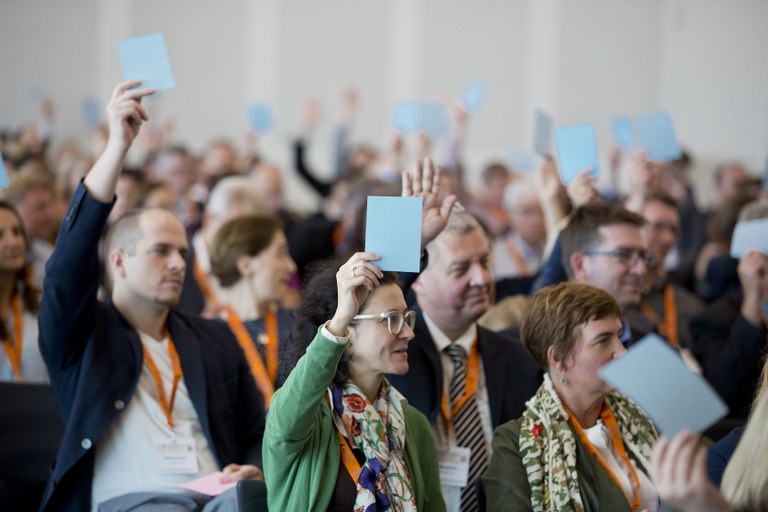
[
  {"x": 94, "y": 358},
  {"x": 511, "y": 374}
]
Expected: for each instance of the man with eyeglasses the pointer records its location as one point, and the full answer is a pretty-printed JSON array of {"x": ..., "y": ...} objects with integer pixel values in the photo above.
[
  {"x": 603, "y": 246},
  {"x": 467, "y": 380}
]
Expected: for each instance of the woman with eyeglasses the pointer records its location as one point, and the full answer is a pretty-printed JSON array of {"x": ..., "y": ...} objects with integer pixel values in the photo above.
[{"x": 338, "y": 435}]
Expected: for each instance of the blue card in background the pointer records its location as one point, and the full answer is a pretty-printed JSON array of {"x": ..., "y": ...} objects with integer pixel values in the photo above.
[
  {"x": 542, "y": 133},
  {"x": 435, "y": 120},
  {"x": 623, "y": 133},
  {"x": 473, "y": 96},
  {"x": 5, "y": 182},
  {"x": 407, "y": 117},
  {"x": 674, "y": 396},
  {"x": 765, "y": 174},
  {"x": 260, "y": 117},
  {"x": 522, "y": 160},
  {"x": 393, "y": 231},
  {"x": 145, "y": 58},
  {"x": 750, "y": 234},
  {"x": 35, "y": 94},
  {"x": 657, "y": 136},
  {"x": 91, "y": 110},
  {"x": 576, "y": 150}
]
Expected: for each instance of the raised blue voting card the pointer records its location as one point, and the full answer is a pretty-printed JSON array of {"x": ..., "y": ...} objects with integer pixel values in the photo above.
[
  {"x": 145, "y": 58},
  {"x": 393, "y": 231},
  {"x": 576, "y": 151}
]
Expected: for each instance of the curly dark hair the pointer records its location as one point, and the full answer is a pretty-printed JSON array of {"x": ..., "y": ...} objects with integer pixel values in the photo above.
[{"x": 319, "y": 299}]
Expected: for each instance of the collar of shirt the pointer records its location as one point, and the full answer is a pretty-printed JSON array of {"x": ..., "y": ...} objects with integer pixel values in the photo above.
[{"x": 466, "y": 340}]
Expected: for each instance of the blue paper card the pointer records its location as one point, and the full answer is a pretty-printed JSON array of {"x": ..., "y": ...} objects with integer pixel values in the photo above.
[
  {"x": 435, "y": 119},
  {"x": 750, "y": 234},
  {"x": 473, "y": 95},
  {"x": 260, "y": 117},
  {"x": 407, "y": 117},
  {"x": 576, "y": 151},
  {"x": 765, "y": 175},
  {"x": 91, "y": 110},
  {"x": 675, "y": 397},
  {"x": 145, "y": 58},
  {"x": 657, "y": 136},
  {"x": 393, "y": 231},
  {"x": 542, "y": 133},
  {"x": 522, "y": 160},
  {"x": 623, "y": 133},
  {"x": 4, "y": 181}
]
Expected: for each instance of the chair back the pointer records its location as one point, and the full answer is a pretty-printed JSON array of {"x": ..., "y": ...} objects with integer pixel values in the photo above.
[{"x": 252, "y": 496}]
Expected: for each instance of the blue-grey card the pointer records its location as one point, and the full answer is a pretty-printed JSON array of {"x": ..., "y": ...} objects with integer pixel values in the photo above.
[
  {"x": 675, "y": 397},
  {"x": 522, "y": 160},
  {"x": 542, "y": 130},
  {"x": 393, "y": 231},
  {"x": 407, "y": 117},
  {"x": 473, "y": 95},
  {"x": 576, "y": 151},
  {"x": 657, "y": 136},
  {"x": 145, "y": 58},
  {"x": 765, "y": 174},
  {"x": 91, "y": 111},
  {"x": 4, "y": 181},
  {"x": 623, "y": 133},
  {"x": 260, "y": 117},
  {"x": 748, "y": 235},
  {"x": 435, "y": 119}
]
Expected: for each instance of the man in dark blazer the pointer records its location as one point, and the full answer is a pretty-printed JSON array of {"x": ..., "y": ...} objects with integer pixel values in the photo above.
[
  {"x": 194, "y": 391},
  {"x": 454, "y": 290}
]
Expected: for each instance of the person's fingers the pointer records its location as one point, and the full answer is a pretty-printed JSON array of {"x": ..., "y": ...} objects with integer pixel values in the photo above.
[
  {"x": 447, "y": 206},
  {"x": 124, "y": 86},
  {"x": 658, "y": 458},
  {"x": 416, "y": 177},
  {"x": 427, "y": 176},
  {"x": 407, "y": 184},
  {"x": 438, "y": 176}
]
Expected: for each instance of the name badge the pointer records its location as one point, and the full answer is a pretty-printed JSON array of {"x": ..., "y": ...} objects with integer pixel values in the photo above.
[
  {"x": 454, "y": 466},
  {"x": 176, "y": 455}
]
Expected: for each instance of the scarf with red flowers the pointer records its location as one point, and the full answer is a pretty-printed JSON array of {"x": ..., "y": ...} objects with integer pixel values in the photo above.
[{"x": 378, "y": 430}]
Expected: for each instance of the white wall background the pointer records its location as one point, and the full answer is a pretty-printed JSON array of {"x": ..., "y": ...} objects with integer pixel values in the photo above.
[{"x": 581, "y": 60}]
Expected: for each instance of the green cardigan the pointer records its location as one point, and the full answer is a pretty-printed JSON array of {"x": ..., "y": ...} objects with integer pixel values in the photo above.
[
  {"x": 301, "y": 448},
  {"x": 505, "y": 482}
]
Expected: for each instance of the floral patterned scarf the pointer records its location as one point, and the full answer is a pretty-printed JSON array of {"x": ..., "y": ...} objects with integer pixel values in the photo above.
[
  {"x": 378, "y": 430},
  {"x": 548, "y": 447}
]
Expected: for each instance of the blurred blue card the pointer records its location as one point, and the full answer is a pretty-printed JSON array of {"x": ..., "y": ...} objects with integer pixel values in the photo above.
[
  {"x": 473, "y": 96},
  {"x": 765, "y": 174},
  {"x": 91, "y": 110},
  {"x": 522, "y": 160},
  {"x": 407, "y": 117},
  {"x": 393, "y": 231},
  {"x": 657, "y": 136},
  {"x": 576, "y": 151},
  {"x": 145, "y": 58},
  {"x": 4, "y": 181},
  {"x": 750, "y": 234},
  {"x": 35, "y": 94},
  {"x": 542, "y": 133},
  {"x": 435, "y": 119},
  {"x": 675, "y": 397},
  {"x": 260, "y": 117},
  {"x": 623, "y": 133}
]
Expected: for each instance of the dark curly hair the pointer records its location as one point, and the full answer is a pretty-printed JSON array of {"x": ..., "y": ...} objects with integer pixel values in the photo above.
[{"x": 319, "y": 299}]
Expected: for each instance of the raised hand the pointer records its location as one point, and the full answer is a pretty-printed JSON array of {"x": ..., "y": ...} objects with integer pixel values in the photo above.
[
  {"x": 125, "y": 113},
  {"x": 423, "y": 180},
  {"x": 354, "y": 281}
]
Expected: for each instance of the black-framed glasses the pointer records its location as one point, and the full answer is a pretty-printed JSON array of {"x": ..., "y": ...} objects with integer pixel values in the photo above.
[
  {"x": 395, "y": 319},
  {"x": 626, "y": 256}
]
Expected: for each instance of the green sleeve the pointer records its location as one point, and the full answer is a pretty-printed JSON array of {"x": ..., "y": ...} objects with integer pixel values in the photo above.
[
  {"x": 420, "y": 444},
  {"x": 505, "y": 482}
]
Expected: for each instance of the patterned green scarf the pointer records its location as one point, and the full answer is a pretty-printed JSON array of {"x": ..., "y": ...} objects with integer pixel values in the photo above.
[{"x": 548, "y": 447}]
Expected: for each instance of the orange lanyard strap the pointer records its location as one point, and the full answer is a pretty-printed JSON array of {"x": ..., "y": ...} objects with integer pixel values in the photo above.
[
  {"x": 176, "y": 367},
  {"x": 473, "y": 375},
  {"x": 259, "y": 372},
  {"x": 517, "y": 256},
  {"x": 205, "y": 286},
  {"x": 348, "y": 458},
  {"x": 613, "y": 430},
  {"x": 273, "y": 342},
  {"x": 668, "y": 326},
  {"x": 15, "y": 347}
]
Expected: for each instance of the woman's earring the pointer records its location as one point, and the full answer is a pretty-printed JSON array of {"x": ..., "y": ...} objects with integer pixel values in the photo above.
[{"x": 562, "y": 380}]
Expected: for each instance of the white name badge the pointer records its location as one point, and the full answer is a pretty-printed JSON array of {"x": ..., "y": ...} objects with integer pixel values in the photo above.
[
  {"x": 176, "y": 455},
  {"x": 454, "y": 466}
]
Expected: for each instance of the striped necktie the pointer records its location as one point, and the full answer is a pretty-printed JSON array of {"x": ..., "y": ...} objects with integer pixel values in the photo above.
[{"x": 467, "y": 426}]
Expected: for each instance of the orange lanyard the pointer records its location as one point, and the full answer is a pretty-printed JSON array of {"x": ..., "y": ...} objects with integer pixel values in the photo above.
[
  {"x": 517, "y": 257},
  {"x": 348, "y": 458},
  {"x": 14, "y": 347},
  {"x": 205, "y": 286},
  {"x": 259, "y": 372},
  {"x": 613, "y": 430},
  {"x": 473, "y": 375},
  {"x": 668, "y": 326},
  {"x": 166, "y": 405},
  {"x": 272, "y": 343}
]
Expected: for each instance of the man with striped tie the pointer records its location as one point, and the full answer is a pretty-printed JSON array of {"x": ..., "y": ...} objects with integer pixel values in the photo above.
[{"x": 466, "y": 379}]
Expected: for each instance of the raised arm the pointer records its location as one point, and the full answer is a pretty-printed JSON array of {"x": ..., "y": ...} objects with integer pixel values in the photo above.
[{"x": 423, "y": 179}]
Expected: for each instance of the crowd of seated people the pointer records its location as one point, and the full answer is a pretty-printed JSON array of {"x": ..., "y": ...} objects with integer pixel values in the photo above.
[{"x": 188, "y": 321}]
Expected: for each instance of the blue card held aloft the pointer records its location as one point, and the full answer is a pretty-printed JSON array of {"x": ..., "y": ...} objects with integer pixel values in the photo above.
[
  {"x": 542, "y": 133},
  {"x": 675, "y": 397},
  {"x": 145, "y": 58},
  {"x": 750, "y": 234},
  {"x": 92, "y": 113},
  {"x": 260, "y": 117},
  {"x": 4, "y": 181},
  {"x": 407, "y": 117},
  {"x": 657, "y": 136},
  {"x": 576, "y": 151},
  {"x": 393, "y": 231},
  {"x": 435, "y": 121},
  {"x": 765, "y": 174},
  {"x": 522, "y": 160},
  {"x": 623, "y": 133},
  {"x": 473, "y": 95}
]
